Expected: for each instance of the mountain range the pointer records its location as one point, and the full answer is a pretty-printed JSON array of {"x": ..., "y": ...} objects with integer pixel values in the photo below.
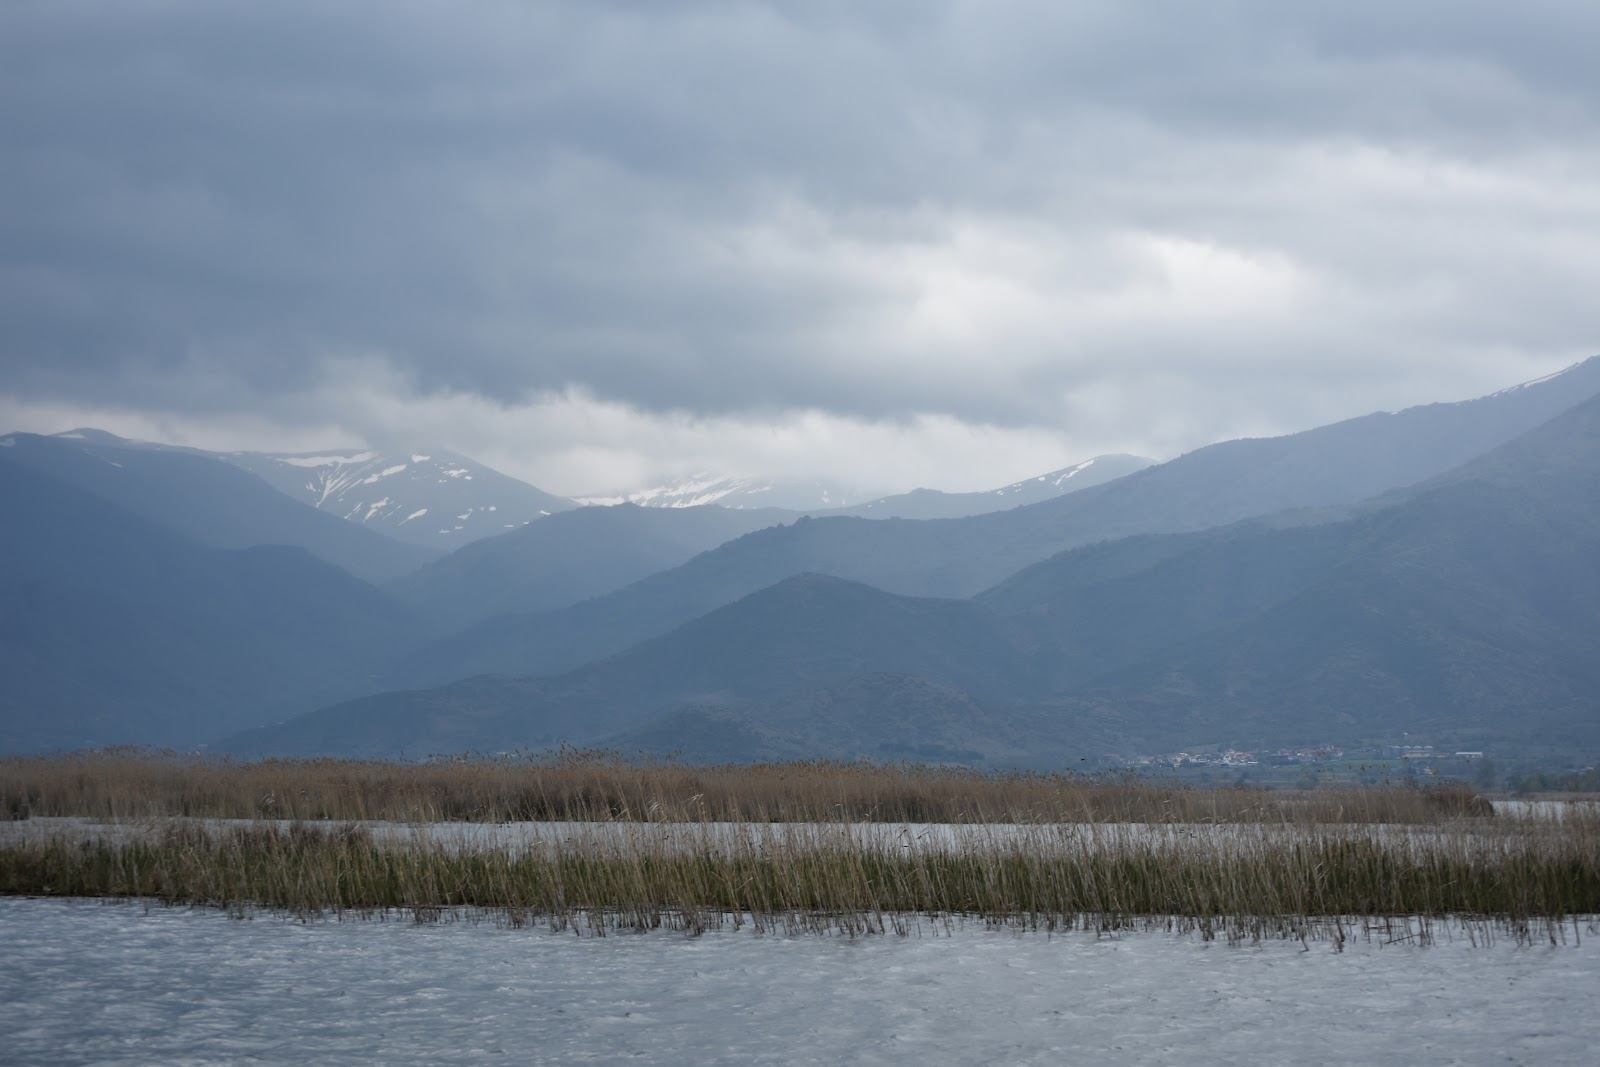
[
  {"x": 1328, "y": 467},
  {"x": 211, "y": 501},
  {"x": 704, "y": 488},
  {"x": 1465, "y": 608},
  {"x": 118, "y": 630},
  {"x": 567, "y": 558},
  {"x": 1431, "y": 570},
  {"x": 934, "y": 504},
  {"x": 431, "y": 497},
  {"x": 815, "y": 498}
]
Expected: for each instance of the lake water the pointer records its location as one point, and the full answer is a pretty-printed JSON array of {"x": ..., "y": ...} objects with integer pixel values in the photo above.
[
  {"x": 88, "y": 982},
  {"x": 893, "y": 838}
]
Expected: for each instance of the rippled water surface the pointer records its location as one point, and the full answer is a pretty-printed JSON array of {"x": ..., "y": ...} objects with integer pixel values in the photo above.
[
  {"x": 90, "y": 982},
  {"x": 1073, "y": 838}
]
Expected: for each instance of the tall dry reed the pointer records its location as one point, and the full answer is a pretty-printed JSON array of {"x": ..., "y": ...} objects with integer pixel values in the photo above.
[
  {"x": 584, "y": 785},
  {"x": 1237, "y": 882}
]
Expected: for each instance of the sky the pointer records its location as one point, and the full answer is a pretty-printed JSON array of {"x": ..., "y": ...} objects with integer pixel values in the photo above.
[{"x": 881, "y": 244}]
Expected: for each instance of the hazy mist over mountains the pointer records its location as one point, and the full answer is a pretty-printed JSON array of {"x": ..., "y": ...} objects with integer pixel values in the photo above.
[{"x": 1434, "y": 572}]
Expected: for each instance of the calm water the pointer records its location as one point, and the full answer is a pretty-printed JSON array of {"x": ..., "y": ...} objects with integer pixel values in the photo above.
[
  {"x": 90, "y": 982},
  {"x": 887, "y": 837}
]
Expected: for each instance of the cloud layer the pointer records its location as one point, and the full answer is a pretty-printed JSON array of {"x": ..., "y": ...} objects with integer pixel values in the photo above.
[{"x": 963, "y": 241}]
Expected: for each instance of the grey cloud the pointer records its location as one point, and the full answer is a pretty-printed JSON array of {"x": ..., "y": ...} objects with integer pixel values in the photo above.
[{"x": 204, "y": 203}]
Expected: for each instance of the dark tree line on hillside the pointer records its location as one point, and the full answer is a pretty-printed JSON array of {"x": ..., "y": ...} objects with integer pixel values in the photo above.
[{"x": 1584, "y": 781}]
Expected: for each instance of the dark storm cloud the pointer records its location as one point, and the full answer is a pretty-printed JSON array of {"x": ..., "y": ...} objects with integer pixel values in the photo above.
[{"x": 974, "y": 209}]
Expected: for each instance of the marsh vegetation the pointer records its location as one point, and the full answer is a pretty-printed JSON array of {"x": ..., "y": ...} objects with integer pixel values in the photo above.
[
  {"x": 838, "y": 847},
  {"x": 582, "y": 785}
]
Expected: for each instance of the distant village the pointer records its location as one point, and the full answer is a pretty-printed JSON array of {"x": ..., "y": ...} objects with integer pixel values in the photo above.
[{"x": 1231, "y": 757}]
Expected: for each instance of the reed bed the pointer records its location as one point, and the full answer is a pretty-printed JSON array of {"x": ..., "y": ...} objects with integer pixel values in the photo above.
[
  {"x": 821, "y": 846},
  {"x": 1526, "y": 879},
  {"x": 576, "y": 785}
]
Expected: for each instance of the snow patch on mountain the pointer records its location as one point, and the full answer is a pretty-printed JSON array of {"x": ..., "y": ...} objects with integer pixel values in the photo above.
[
  {"x": 1536, "y": 381},
  {"x": 1080, "y": 476},
  {"x": 932, "y": 504},
  {"x": 369, "y": 479},
  {"x": 390, "y": 492},
  {"x": 328, "y": 461},
  {"x": 702, "y": 488},
  {"x": 696, "y": 490}
]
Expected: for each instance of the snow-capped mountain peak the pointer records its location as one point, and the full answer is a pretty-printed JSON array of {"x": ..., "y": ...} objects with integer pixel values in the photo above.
[
  {"x": 700, "y": 488},
  {"x": 932, "y": 504},
  {"x": 427, "y": 496},
  {"x": 1078, "y": 476}
]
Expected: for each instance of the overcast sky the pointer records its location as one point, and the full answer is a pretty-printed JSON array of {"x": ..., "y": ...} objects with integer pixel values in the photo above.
[{"x": 883, "y": 242}]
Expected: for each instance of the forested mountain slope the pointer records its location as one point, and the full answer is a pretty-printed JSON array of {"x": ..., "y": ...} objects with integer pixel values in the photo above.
[
  {"x": 1333, "y": 466},
  {"x": 1467, "y": 608},
  {"x": 117, "y": 630}
]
